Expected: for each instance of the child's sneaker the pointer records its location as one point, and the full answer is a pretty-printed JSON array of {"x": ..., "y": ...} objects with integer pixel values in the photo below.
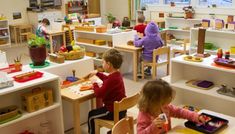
[{"x": 147, "y": 72}]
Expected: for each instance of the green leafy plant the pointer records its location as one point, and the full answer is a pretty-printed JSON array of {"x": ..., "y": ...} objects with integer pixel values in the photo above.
[
  {"x": 110, "y": 18},
  {"x": 35, "y": 41}
]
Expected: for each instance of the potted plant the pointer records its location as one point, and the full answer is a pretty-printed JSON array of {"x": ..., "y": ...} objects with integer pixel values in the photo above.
[
  {"x": 110, "y": 19},
  {"x": 37, "y": 50},
  {"x": 189, "y": 12}
]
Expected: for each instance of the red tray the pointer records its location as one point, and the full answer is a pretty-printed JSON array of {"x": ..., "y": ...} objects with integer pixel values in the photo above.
[
  {"x": 10, "y": 69},
  {"x": 225, "y": 62},
  {"x": 31, "y": 76}
]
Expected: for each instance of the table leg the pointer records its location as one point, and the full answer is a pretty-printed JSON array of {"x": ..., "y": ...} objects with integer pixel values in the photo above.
[
  {"x": 51, "y": 43},
  {"x": 15, "y": 34},
  {"x": 76, "y": 114},
  {"x": 135, "y": 66}
]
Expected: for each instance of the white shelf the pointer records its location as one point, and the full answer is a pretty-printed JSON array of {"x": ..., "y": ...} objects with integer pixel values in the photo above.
[
  {"x": 3, "y": 37},
  {"x": 2, "y": 20},
  {"x": 26, "y": 115},
  {"x": 211, "y": 92},
  {"x": 172, "y": 18},
  {"x": 5, "y": 45},
  {"x": 93, "y": 45},
  {"x": 47, "y": 77},
  {"x": 5, "y": 28},
  {"x": 179, "y": 30},
  {"x": 206, "y": 63},
  {"x": 216, "y": 31}
]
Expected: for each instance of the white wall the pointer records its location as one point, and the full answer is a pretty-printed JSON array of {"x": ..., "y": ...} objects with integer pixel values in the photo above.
[
  {"x": 7, "y": 7},
  {"x": 119, "y": 8}
]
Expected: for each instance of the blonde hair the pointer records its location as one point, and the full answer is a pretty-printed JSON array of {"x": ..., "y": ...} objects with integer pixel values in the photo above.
[{"x": 153, "y": 95}]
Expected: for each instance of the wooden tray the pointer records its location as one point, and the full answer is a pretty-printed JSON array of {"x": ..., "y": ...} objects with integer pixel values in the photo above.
[
  {"x": 28, "y": 76},
  {"x": 10, "y": 69},
  {"x": 225, "y": 62},
  {"x": 193, "y": 83}
]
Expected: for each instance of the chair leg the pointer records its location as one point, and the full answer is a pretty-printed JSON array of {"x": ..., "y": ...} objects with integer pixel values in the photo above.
[
  {"x": 97, "y": 127},
  {"x": 142, "y": 70},
  {"x": 154, "y": 72},
  {"x": 167, "y": 71}
]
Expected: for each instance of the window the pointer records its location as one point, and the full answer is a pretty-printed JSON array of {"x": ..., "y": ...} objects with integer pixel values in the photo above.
[
  {"x": 178, "y": 2},
  {"x": 144, "y": 2},
  {"x": 223, "y": 3}
]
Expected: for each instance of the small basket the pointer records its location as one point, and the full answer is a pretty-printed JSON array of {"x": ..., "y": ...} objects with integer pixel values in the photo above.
[
  {"x": 56, "y": 58},
  {"x": 85, "y": 27},
  {"x": 100, "y": 42},
  {"x": 8, "y": 112},
  {"x": 74, "y": 55},
  {"x": 101, "y": 29},
  {"x": 90, "y": 54}
]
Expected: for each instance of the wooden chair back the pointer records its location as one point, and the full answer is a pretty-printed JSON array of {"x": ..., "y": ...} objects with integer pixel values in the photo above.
[
  {"x": 124, "y": 104},
  {"x": 124, "y": 126},
  {"x": 161, "y": 51}
]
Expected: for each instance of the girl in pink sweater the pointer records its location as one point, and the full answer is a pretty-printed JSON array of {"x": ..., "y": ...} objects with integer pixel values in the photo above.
[{"x": 156, "y": 111}]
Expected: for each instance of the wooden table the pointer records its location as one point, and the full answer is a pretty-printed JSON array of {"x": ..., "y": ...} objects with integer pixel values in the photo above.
[
  {"x": 52, "y": 33},
  {"x": 14, "y": 28},
  {"x": 76, "y": 100},
  {"x": 181, "y": 129},
  {"x": 135, "y": 52}
]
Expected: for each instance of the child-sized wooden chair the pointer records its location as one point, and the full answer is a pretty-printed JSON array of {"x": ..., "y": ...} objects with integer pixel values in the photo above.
[
  {"x": 124, "y": 104},
  {"x": 154, "y": 64},
  {"x": 124, "y": 126},
  {"x": 181, "y": 51}
]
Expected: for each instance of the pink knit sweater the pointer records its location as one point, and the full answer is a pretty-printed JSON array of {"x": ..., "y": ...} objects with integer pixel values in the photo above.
[{"x": 145, "y": 125}]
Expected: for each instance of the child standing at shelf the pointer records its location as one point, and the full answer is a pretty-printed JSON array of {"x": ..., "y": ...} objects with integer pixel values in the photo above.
[
  {"x": 149, "y": 42},
  {"x": 42, "y": 30},
  {"x": 112, "y": 89},
  {"x": 140, "y": 27},
  {"x": 155, "y": 110}
]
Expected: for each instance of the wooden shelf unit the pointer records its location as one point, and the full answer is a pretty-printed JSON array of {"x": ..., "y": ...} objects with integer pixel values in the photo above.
[{"x": 4, "y": 34}]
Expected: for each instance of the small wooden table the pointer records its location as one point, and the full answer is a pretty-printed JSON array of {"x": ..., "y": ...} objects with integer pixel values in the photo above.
[
  {"x": 52, "y": 33},
  {"x": 15, "y": 31},
  {"x": 76, "y": 100},
  {"x": 135, "y": 52}
]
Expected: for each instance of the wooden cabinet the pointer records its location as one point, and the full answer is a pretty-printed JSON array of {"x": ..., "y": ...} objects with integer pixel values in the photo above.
[{"x": 94, "y": 6}]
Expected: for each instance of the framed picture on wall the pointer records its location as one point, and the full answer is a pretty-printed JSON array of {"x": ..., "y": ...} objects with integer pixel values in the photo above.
[{"x": 17, "y": 15}]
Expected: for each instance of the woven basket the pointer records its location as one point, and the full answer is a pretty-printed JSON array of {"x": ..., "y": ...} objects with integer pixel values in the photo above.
[
  {"x": 85, "y": 27},
  {"x": 101, "y": 29},
  {"x": 8, "y": 112},
  {"x": 74, "y": 55}
]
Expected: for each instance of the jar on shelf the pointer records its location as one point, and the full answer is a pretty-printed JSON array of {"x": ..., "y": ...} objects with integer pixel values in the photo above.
[{"x": 45, "y": 128}]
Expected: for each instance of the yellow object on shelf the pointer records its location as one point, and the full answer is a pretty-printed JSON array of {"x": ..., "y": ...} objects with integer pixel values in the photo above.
[
  {"x": 90, "y": 54},
  {"x": 85, "y": 27},
  {"x": 193, "y": 59},
  {"x": 100, "y": 42},
  {"x": 101, "y": 29},
  {"x": 37, "y": 99},
  {"x": 232, "y": 49},
  {"x": 73, "y": 55},
  {"x": 84, "y": 40}
]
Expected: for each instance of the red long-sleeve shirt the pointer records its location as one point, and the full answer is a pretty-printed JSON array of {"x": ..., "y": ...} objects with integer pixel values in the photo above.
[
  {"x": 140, "y": 28},
  {"x": 112, "y": 89}
]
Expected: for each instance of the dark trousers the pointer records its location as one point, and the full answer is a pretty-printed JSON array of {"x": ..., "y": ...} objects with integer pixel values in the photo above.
[{"x": 100, "y": 113}]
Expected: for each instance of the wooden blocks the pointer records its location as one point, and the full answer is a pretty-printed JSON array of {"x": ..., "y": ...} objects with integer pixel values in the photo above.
[{"x": 201, "y": 40}]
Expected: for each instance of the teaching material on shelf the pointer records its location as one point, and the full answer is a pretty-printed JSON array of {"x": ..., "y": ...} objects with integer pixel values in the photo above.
[
  {"x": 5, "y": 81},
  {"x": 200, "y": 84},
  {"x": 224, "y": 90},
  {"x": 46, "y": 64},
  {"x": 56, "y": 58},
  {"x": 201, "y": 40},
  {"x": 85, "y": 27},
  {"x": 100, "y": 42},
  {"x": 219, "y": 24},
  {"x": 37, "y": 99},
  {"x": 213, "y": 124},
  {"x": 4, "y": 33},
  {"x": 193, "y": 58},
  {"x": 73, "y": 54},
  {"x": 11, "y": 69},
  {"x": 225, "y": 62},
  {"x": 28, "y": 76},
  {"x": 191, "y": 108},
  {"x": 9, "y": 113},
  {"x": 101, "y": 29},
  {"x": 90, "y": 54}
]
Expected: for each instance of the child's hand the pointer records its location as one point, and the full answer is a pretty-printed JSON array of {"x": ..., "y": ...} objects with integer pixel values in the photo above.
[
  {"x": 201, "y": 119},
  {"x": 159, "y": 122},
  {"x": 92, "y": 73}
]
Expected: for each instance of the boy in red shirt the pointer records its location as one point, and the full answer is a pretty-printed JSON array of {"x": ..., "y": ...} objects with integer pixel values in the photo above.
[
  {"x": 112, "y": 89},
  {"x": 140, "y": 27}
]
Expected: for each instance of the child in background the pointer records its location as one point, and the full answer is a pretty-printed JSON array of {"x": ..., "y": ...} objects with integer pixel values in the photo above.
[
  {"x": 42, "y": 30},
  {"x": 112, "y": 89},
  {"x": 156, "y": 111},
  {"x": 149, "y": 42},
  {"x": 140, "y": 27}
]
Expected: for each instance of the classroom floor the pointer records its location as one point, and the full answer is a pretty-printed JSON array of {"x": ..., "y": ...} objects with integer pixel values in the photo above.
[{"x": 131, "y": 86}]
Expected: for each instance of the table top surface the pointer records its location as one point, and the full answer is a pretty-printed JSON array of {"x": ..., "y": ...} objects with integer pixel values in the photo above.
[{"x": 129, "y": 47}]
